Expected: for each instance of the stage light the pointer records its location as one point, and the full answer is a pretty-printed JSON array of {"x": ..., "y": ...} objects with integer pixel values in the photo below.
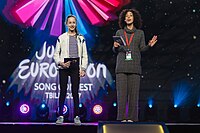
[
  {"x": 42, "y": 111},
  {"x": 43, "y": 105},
  {"x": 114, "y": 104},
  {"x": 181, "y": 92},
  {"x": 65, "y": 110},
  {"x": 24, "y": 108},
  {"x": 150, "y": 102},
  {"x": 5, "y": 110},
  {"x": 150, "y": 106},
  {"x": 99, "y": 112},
  {"x": 173, "y": 113},
  {"x": 82, "y": 111},
  {"x": 24, "y": 112},
  {"x": 175, "y": 105},
  {"x": 195, "y": 113},
  {"x": 150, "y": 113},
  {"x": 97, "y": 109},
  {"x": 7, "y": 103},
  {"x": 80, "y": 105},
  {"x": 112, "y": 113}
]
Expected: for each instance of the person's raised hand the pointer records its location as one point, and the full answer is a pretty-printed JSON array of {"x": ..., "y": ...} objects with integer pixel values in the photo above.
[{"x": 153, "y": 41}]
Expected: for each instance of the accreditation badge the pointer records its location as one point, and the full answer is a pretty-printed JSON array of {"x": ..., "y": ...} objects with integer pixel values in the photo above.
[{"x": 128, "y": 55}]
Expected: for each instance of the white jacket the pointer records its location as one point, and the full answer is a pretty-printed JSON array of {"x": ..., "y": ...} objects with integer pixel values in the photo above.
[{"x": 62, "y": 50}]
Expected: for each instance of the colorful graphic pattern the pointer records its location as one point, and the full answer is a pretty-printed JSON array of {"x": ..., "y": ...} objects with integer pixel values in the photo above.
[{"x": 48, "y": 14}]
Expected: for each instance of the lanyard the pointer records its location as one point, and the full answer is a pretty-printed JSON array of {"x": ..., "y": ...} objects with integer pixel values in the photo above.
[{"x": 128, "y": 42}]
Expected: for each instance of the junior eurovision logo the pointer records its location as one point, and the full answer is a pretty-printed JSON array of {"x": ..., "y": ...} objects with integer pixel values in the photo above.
[{"x": 36, "y": 80}]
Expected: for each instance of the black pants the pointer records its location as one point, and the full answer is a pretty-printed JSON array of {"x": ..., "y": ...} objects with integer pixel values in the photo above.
[{"x": 73, "y": 72}]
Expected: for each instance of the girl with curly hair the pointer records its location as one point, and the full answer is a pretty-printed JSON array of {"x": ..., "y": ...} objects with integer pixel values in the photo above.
[{"x": 128, "y": 63}]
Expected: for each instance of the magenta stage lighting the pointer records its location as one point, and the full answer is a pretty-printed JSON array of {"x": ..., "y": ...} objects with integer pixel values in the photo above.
[
  {"x": 98, "y": 112},
  {"x": 24, "y": 108},
  {"x": 24, "y": 112},
  {"x": 65, "y": 110},
  {"x": 97, "y": 109}
]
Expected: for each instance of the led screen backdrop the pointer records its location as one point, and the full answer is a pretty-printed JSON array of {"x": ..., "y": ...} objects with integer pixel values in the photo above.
[{"x": 36, "y": 76}]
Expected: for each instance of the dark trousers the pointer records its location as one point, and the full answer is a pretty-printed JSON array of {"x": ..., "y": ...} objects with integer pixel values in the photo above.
[
  {"x": 73, "y": 72},
  {"x": 127, "y": 86}
]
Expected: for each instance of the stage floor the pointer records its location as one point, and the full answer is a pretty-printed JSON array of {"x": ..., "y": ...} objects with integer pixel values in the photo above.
[{"x": 52, "y": 127}]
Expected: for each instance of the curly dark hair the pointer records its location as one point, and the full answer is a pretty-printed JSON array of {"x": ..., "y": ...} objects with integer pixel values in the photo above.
[{"x": 137, "y": 18}]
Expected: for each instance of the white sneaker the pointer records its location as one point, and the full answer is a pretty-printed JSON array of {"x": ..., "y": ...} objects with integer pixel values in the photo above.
[
  {"x": 130, "y": 121},
  {"x": 60, "y": 120},
  {"x": 123, "y": 121},
  {"x": 77, "y": 121}
]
